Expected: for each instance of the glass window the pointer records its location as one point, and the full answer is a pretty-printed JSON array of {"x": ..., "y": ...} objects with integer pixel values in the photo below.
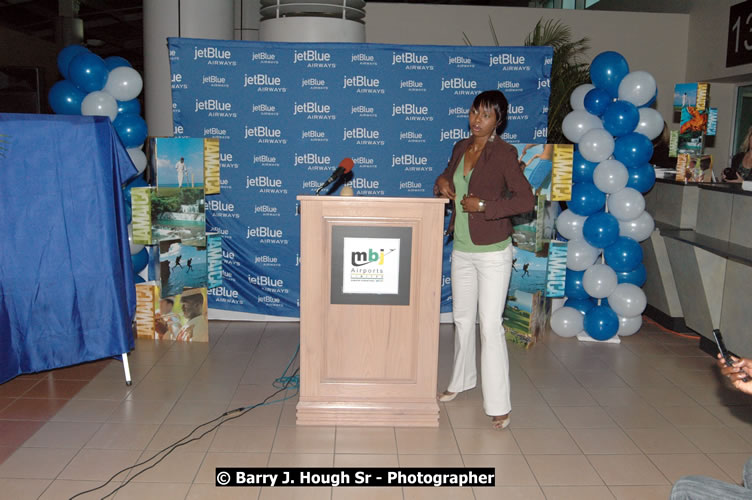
[{"x": 743, "y": 115}]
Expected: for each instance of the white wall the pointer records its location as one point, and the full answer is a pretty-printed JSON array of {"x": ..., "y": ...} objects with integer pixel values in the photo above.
[{"x": 656, "y": 43}]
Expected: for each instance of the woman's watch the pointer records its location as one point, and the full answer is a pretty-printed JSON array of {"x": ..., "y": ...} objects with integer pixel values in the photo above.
[{"x": 481, "y": 205}]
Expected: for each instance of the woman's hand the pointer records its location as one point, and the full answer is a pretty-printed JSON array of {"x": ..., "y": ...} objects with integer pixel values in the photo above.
[
  {"x": 740, "y": 369},
  {"x": 445, "y": 189},
  {"x": 471, "y": 204}
]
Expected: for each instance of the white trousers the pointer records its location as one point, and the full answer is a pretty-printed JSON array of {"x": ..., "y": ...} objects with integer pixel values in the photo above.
[{"x": 480, "y": 282}]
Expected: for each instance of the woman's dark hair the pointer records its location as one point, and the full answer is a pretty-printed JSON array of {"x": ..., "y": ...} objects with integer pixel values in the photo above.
[{"x": 493, "y": 99}]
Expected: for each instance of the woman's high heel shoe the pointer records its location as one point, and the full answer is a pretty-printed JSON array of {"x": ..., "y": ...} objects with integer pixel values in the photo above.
[{"x": 447, "y": 396}]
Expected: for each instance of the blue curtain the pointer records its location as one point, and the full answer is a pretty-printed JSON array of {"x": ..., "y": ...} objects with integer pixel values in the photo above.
[{"x": 66, "y": 282}]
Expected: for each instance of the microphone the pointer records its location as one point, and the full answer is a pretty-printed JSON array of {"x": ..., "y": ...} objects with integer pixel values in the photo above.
[{"x": 343, "y": 169}]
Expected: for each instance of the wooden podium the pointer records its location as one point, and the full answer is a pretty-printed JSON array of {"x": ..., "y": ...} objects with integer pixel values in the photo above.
[{"x": 370, "y": 285}]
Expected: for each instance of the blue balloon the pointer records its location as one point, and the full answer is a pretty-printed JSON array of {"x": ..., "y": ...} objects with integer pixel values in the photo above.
[
  {"x": 65, "y": 57},
  {"x": 113, "y": 62},
  {"x": 596, "y": 101},
  {"x": 138, "y": 279},
  {"x": 65, "y": 98},
  {"x": 137, "y": 181},
  {"x": 633, "y": 149},
  {"x": 140, "y": 260},
  {"x": 601, "y": 322},
  {"x": 131, "y": 129},
  {"x": 586, "y": 199},
  {"x": 607, "y": 70},
  {"x": 637, "y": 276},
  {"x": 88, "y": 72},
  {"x": 132, "y": 106},
  {"x": 582, "y": 305},
  {"x": 573, "y": 287},
  {"x": 624, "y": 255},
  {"x": 582, "y": 170},
  {"x": 641, "y": 178},
  {"x": 601, "y": 230},
  {"x": 621, "y": 118}
]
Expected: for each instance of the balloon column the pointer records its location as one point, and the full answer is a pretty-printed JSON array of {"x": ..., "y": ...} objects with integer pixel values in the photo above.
[
  {"x": 612, "y": 125},
  {"x": 93, "y": 86}
]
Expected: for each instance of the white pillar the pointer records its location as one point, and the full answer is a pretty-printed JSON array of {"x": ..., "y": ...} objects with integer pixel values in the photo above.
[
  {"x": 313, "y": 21},
  {"x": 175, "y": 18}
]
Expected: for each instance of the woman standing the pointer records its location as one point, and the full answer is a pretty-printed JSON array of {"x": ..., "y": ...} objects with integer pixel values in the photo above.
[
  {"x": 487, "y": 186},
  {"x": 741, "y": 162}
]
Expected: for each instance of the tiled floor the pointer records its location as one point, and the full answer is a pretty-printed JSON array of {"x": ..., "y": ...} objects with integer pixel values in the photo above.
[{"x": 589, "y": 421}]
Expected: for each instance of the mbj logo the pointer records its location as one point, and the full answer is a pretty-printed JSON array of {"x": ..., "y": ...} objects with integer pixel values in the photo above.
[
  {"x": 311, "y": 159},
  {"x": 359, "y": 259},
  {"x": 505, "y": 59},
  {"x": 409, "y": 159},
  {"x": 264, "y": 57},
  {"x": 454, "y": 134},
  {"x": 458, "y": 83}
]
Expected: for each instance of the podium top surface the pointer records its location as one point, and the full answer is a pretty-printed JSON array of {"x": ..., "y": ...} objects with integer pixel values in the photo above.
[{"x": 372, "y": 199}]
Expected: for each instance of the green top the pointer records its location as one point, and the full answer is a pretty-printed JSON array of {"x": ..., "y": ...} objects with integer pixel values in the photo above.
[{"x": 462, "y": 241}]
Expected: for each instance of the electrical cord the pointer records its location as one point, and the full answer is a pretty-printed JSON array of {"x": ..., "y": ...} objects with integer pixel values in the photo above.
[
  {"x": 661, "y": 327},
  {"x": 282, "y": 383}
]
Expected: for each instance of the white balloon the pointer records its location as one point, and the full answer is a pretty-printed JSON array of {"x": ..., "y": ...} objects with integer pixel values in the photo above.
[
  {"x": 567, "y": 322},
  {"x": 627, "y": 300},
  {"x": 596, "y": 145},
  {"x": 99, "y": 103},
  {"x": 599, "y": 281},
  {"x": 638, "y": 229},
  {"x": 124, "y": 83},
  {"x": 650, "y": 124},
  {"x": 569, "y": 224},
  {"x": 581, "y": 255},
  {"x": 638, "y": 87},
  {"x": 135, "y": 247},
  {"x": 610, "y": 176},
  {"x": 577, "y": 123},
  {"x": 629, "y": 325},
  {"x": 138, "y": 158},
  {"x": 626, "y": 204},
  {"x": 577, "y": 98}
]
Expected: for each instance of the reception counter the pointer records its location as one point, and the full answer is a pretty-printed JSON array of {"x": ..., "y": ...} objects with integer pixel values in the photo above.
[{"x": 699, "y": 260}]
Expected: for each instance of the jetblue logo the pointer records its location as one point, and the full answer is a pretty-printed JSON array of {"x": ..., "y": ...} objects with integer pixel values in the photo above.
[
  {"x": 361, "y": 183},
  {"x": 222, "y": 209},
  {"x": 311, "y": 184},
  {"x": 264, "y": 83},
  {"x": 411, "y": 136},
  {"x": 459, "y": 85},
  {"x": 265, "y": 210},
  {"x": 509, "y": 137},
  {"x": 214, "y": 81},
  {"x": 413, "y": 85},
  {"x": 176, "y": 81},
  {"x": 360, "y": 133},
  {"x": 313, "y": 110},
  {"x": 265, "y": 109},
  {"x": 264, "y": 232},
  {"x": 314, "y": 135},
  {"x": 264, "y": 134},
  {"x": 544, "y": 84},
  {"x": 411, "y": 112},
  {"x": 216, "y": 108},
  {"x": 265, "y": 184},
  {"x": 461, "y": 62},
  {"x": 409, "y": 159},
  {"x": 222, "y": 293},
  {"x": 516, "y": 112},
  {"x": 540, "y": 133},
  {"x": 266, "y": 281},
  {"x": 409, "y": 58},
  {"x": 215, "y": 56},
  {"x": 509, "y": 62},
  {"x": 363, "y": 59},
  {"x": 314, "y": 84},
  {"x": 363, "y": 84},
  {"x": 454, "y": 134},
  {"x": 313, "y": 58},
  {"x": 364, "y": 162},
  {"x": 311, "y": 159},
  {"x": 216, "y": 132},
  {"x": 266, "y": 160},
  {"x": 459, "y": 111},
  {"x": 411, "y": 186},
  {"x": 266, "y": 260},
  {"x": 509, "y": 86},
  {"x": 264, "y": 58}
]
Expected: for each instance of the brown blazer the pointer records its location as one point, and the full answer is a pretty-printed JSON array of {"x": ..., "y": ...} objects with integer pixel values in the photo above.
[{"x": 499, "y": 181}]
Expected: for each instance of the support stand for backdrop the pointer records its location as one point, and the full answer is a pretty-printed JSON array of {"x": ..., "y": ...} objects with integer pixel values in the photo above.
[{"x": 369, "y": 322}]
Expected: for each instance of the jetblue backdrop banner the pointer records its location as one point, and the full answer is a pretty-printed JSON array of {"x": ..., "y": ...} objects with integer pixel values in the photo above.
[{"x": 286, "y": 114}]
